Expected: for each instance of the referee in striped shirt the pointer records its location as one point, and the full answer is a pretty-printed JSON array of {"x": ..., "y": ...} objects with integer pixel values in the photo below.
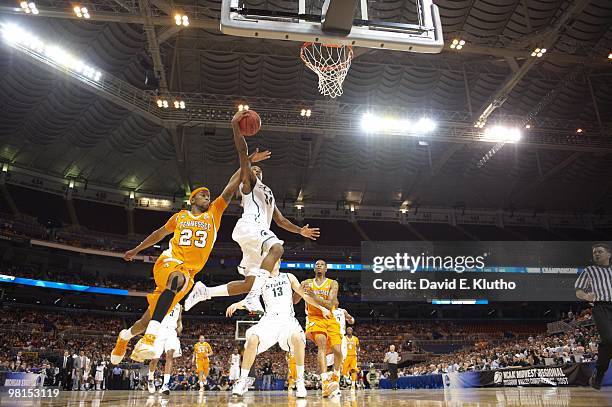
[{"x": 595, "y": 285}]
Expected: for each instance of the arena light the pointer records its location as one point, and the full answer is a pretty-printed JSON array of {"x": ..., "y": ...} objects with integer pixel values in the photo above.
[
  {"x": 299, "y": 207},
  {"x": 372, "y": 123},
  {"x": 162, "y": 103},
  {"x": 457, "y": 44},
  {"x": 305, "y": 112},
  {"x": 610, "y": 55},
  {"x": 502, "y": 134},
  {"x": 480, "y": 124},
  {"x": 71, "y": 184},
  {"x": 29, "y": 8},
  {"x": 425, "y": 125},
  {"x": 528, "y": 126},
  {"x": 180, "y": 19},
  {"x": 579, "y": 131},
  {"x": 242, "y": 107},
  {"x": 81, "y": 12},
  {"x": 5, "y": 167},
  {"x": 538, "y": 52},
  {"x": 21, "y": 39}
]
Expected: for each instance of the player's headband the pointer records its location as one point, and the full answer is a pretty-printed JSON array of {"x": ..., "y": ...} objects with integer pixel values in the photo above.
[{"x": 195, "y": 192}]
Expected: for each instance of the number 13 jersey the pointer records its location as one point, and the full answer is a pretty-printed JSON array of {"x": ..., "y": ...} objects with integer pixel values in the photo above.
[
  {"x": 278, "y": 296},
  {"x": 194, "y": 236}
]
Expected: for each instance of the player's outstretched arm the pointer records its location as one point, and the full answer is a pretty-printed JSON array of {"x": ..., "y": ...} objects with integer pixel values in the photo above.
[
  {"x": 296, "y": 297},
  {"x": 234, "y": 307},
  {"x": 246, "y": 175},
  {"x": 306, "y": 231},
  {"x": 236, "y": 179},
  {"x": 314, "y": 301},
  {"x": 349, "y": 318},
  {"x": 149, "y": 241}
]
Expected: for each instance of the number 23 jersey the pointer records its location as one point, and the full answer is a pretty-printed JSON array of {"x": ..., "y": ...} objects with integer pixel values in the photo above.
[{"x": 194, "y": 236}]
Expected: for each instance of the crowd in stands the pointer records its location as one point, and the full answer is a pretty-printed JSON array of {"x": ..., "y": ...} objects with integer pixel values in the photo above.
[
  {"x": 34, "y": 341},
  {"x": 579, "y": 345}
]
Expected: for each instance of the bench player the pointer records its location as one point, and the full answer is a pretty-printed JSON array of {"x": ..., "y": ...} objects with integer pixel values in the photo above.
[
  {"x": 278, "y": 325},
  {"x": 234, "y": 373},
  {"x": 350, "y": 361},
  {"x": 167, "y": 341},
  {"x": 194, "y": 233},
  {"x": 202, "y": 351},
  {"x": 261, "y": 249},
  {"x": 324, "y": 332}
]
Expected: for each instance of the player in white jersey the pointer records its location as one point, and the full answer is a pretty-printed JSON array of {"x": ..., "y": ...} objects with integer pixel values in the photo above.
[
  {"x": 342, "y": 316},
  {"x": 278, "y": 325},
  {"x": 234, "y": 373},
  {"x": 166, "y": 341},
  {"x": 261, "y": 248}
]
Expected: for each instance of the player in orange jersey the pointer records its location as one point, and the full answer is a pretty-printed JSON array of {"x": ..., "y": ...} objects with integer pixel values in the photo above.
[
  {"x": 194, "y": 234},
  {"x": 352, "y": 350},
  {"x": 201, "y": 354},
  {"x": 325, "y": 332}
]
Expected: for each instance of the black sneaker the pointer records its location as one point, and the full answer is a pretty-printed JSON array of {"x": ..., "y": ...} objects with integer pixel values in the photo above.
[{"x": 595, "y": 381}]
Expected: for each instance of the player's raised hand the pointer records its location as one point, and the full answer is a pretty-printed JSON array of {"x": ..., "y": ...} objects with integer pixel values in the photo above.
[
  {"x": 258, "y": 156},
  {"x": 129, "y": 255},
  {"x": 310, "y": 233},
  {"x": 238, "y": 116}
]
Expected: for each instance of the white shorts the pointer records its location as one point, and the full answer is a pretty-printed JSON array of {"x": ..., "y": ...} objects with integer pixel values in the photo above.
[
  {"x": 272, "y": 330},
  {"x": 99, "y": 376},
  {"x": 255, "y": 241},
  {"x": 166, "y": 340},
  {"x": 234, "y": 373}
]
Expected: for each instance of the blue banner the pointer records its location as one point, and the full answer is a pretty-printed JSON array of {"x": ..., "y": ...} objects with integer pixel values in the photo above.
[
  {"x": 61, "y": 286},
  {"x": 330, "y": 266},
  {"x": 21, "y": 379},
  {"x": 495, "y": 269}
]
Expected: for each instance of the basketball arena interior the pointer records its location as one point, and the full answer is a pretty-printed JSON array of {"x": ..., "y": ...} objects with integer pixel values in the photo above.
[{"x": 443, "y": 167}]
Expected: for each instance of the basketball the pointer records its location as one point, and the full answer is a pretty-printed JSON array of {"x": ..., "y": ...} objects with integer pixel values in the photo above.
[{"x": 250, "y": 124}]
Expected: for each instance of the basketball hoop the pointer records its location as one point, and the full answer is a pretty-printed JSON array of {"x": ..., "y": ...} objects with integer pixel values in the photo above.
[{"x": 330, "y": 62}]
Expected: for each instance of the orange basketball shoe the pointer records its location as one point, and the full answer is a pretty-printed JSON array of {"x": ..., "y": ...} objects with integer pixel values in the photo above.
[
  {"x": 119, "y": 350},
  {"x": 144, "y": 349}
]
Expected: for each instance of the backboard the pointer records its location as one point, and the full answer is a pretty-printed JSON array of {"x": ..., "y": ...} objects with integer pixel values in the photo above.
[
  {"x": 241, "y": 328},
  {"x": 411, "y": 25}
]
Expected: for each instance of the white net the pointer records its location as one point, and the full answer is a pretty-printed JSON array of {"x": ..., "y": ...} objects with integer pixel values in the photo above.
[{"x": 331, "y": 64}]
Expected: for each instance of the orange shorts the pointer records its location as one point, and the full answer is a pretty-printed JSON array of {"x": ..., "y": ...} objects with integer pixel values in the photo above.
[
  {"x": 350, "y": 364},
  {"x": 202, "y": 366},
  {"x": 325, "y": 326},
  {"x": 162, "y": 269}
]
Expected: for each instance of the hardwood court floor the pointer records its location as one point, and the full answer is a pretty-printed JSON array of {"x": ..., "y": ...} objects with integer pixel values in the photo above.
[{"x": 572, "y": 396}]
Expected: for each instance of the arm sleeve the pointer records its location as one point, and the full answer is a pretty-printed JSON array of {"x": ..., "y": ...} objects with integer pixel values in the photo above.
[
  {"x": 584, "y": 280},
  {"x": 171, "y": 223}
]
